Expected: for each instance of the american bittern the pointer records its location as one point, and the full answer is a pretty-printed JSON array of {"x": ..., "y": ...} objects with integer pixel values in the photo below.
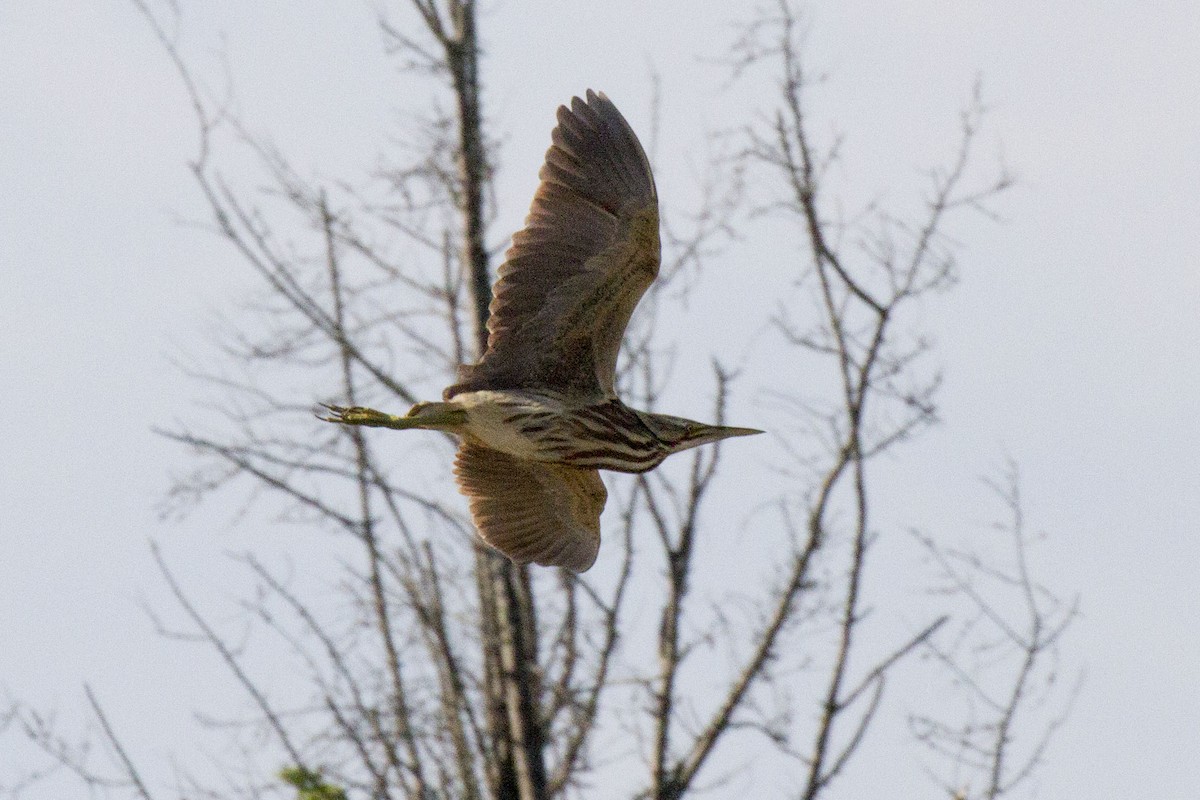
[{"x": 539, "y": 415}]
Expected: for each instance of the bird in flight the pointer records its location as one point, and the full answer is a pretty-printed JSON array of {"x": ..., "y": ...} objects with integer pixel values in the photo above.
[{"x": 538, "y": 415}]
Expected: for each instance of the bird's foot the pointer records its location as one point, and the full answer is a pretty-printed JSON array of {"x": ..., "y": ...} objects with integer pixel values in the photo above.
[
  {"x": 431, "y": 416},
  {"x": 360, "y": 415}
]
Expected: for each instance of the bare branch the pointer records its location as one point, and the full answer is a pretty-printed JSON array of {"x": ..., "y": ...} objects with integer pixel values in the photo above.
[
  {"x": 110, "y": 735},
  {"x": 229, "y": 657}
]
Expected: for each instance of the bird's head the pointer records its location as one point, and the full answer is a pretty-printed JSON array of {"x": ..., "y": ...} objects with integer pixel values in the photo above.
[{"x": 681, "y": 434}]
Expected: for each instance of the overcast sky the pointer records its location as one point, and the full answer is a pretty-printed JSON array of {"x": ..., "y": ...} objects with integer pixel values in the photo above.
[{"x": 1070, "y": 344}]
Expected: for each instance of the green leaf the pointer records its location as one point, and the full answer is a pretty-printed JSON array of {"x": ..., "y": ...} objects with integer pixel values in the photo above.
[{"x": 310, "y": 785}]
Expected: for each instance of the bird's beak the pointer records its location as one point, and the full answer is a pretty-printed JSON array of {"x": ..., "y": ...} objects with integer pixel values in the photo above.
[
  {"x": 727, "y": 432},
  {"x": 715, "y": 433}
]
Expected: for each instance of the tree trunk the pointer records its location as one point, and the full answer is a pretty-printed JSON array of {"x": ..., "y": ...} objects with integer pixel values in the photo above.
[{"x": 509, "y": 624}]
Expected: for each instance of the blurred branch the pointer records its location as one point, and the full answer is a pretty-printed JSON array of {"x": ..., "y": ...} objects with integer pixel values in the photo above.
[
  {"x": 1005, "y": 661},
  {"x": 114, "y": 742}
]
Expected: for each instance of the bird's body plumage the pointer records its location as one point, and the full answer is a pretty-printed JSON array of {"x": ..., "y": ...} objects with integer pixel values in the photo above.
[
  {"x": 550, "y": 428},
  {"x": 538, "y": 415}
]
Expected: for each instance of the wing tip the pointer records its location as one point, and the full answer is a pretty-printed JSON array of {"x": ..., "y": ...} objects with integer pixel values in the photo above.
[{"x": 599, "y": 143}]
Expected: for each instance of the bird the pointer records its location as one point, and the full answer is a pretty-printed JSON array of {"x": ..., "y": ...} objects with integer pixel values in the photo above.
[{"x": 538, "y": 415}]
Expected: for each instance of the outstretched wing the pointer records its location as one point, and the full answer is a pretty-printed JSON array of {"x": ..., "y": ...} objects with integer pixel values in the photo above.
[
  {"x": 574, "y": 274},
  {"x": 530, "y": 511}
]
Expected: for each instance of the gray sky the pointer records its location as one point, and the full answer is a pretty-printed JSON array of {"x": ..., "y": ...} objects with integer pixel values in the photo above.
[{"x": 1069, "y": 345}]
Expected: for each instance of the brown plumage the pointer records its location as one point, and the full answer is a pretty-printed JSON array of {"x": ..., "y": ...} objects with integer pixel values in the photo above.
[
  {"x": 587, "y": 254},
  {"x": 531, "y": 511},
  {"x": 538, "y": 415}
]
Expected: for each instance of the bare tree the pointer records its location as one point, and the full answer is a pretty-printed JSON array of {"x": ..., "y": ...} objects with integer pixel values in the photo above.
[
  {"x": 443, "y": 671},
  {"x": 1004, "y": 661}
]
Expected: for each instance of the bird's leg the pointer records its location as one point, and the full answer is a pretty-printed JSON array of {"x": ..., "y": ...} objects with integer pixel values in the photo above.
[{"x": 431, "y": 416}]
